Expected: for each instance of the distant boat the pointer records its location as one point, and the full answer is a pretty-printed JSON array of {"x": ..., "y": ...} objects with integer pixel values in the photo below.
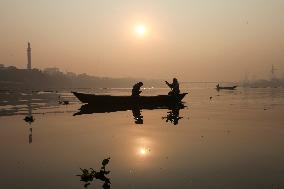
[
  {"x": 159, "y": 100},
  {"x": 225, "y": 88}
]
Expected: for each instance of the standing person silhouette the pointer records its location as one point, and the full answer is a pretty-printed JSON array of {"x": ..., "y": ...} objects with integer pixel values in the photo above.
[{"x": 174, "y": 87}]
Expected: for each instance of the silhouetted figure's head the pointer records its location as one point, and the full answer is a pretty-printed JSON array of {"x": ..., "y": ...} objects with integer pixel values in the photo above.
[
  {"x": 140, "y": 84},
  {"x": 139, "y": 121},
  {"x": 175, "y": 80}
]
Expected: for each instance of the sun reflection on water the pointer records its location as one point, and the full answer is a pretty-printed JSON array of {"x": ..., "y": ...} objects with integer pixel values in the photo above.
[
  {"x": 142, "y": 148},
  {"x": 143, "y": 151}
]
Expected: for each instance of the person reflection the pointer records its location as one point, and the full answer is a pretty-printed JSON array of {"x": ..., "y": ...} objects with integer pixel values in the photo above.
[
  {"x": 136, "y": 111},
  {"x": 173, "y": 116},
  {"x": 30, "y": 119},
  {"x": 31, "y": 135}
]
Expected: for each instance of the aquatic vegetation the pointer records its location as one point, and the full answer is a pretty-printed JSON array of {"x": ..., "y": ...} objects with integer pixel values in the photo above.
[{"x": 88, "y": 175}]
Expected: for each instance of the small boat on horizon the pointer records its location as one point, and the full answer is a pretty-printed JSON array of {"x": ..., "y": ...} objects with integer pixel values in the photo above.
[{"x": 218, "y": 87}]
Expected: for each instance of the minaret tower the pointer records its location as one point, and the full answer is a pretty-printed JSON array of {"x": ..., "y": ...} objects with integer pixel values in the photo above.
[{"x": 29, "y": 53}]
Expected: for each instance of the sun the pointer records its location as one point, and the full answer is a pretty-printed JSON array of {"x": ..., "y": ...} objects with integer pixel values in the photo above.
[{"x": 140, "y": 30}]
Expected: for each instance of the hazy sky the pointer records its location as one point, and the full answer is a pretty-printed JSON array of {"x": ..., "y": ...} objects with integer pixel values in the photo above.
[{"x": 195, "y": 40}]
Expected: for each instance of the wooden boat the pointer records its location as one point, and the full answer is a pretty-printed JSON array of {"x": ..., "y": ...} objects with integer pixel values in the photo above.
[
  {"x": 159, "y": 100},
  {"x": 226, "y": 88}
]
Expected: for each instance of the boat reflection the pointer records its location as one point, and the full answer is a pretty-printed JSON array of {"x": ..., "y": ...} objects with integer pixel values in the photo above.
[{"x": 172, "y": 115}]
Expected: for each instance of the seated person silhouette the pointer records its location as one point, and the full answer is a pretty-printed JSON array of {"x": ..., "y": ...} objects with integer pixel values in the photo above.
[
  {"x": 174, "y": 87},
  {"x": 136, "y": 89}
]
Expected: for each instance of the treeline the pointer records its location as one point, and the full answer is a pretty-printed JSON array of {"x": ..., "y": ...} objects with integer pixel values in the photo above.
[
  {"x": 14, "y": 78},
  {"x": 262, "y": 83}
]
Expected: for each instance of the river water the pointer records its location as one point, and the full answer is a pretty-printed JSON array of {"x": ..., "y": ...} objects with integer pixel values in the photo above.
[{"x": 233, "y": 140}]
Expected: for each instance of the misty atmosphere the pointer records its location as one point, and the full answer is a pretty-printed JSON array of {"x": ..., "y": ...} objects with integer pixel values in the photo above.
[
  {"x": 53, "y": 78},
  {"x": 192, "y": 40},
  {"x": 104, "y": 94}
]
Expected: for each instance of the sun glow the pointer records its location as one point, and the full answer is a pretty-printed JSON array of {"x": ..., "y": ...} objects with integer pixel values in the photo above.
[{"x": 140, "y": 30}]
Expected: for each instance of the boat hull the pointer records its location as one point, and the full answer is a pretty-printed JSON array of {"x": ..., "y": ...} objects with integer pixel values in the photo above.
[
  {"x": 226, "y": 88},
  {"x": 129, "y": 100}
]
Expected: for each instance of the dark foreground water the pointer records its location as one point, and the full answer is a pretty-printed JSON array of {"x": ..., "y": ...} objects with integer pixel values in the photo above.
[{"x": 233, "y": 141}]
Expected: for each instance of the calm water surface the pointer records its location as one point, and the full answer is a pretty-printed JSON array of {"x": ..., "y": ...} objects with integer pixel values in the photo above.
[{"x": 234, "y": 140}]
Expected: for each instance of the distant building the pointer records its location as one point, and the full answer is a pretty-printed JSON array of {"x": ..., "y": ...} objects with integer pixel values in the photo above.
[
  {"x": 71, "y": 74},
  {"x": 52, "y": 71},
  {"x": 2, "y": 66},
  {"x": 11, "y": 68},
  {"x": 29, "y": 54}
]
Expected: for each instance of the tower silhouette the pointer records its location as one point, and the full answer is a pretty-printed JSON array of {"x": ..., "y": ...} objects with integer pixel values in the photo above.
[{"x": 29, "y": 53}]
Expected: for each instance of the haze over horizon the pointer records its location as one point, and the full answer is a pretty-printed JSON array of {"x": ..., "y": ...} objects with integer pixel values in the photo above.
[{"x": 192, "y": 40}]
